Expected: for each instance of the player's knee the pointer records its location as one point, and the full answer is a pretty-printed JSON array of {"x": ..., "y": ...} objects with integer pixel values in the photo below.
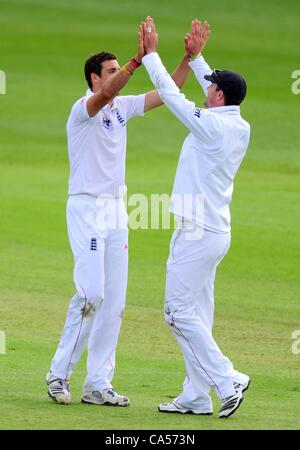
[
  {"x": 168, "y": 314},
  {"x": 93, "y": 299},
  {"x": 177, "y": 316},
  {"x": 91, "y": 306}
]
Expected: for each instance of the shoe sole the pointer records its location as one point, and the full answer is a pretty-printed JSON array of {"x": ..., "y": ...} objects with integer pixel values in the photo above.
[
  {"x": 184, "y": 412},
  {"x": 104, "y": 404}
]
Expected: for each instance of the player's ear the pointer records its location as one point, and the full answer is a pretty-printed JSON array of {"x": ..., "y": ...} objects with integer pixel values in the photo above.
[
  {"x": 221, "y": 95},
  {"x": 94, "y": 77}
]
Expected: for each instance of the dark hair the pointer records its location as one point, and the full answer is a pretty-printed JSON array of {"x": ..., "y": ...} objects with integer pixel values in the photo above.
[
  {"x": 231, "y": 100},
  {"x": 227, "y": 99},
  {"x": 94, "y": 65}
]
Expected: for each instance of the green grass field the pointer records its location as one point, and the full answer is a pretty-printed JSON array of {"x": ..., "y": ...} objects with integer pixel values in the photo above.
[{"x": 43, "y": 46}]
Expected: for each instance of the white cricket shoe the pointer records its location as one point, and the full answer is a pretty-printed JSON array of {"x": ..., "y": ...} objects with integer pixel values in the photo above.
[
  {"x": 230, "y": 405},
  {"x": 58, "y": 389},
  {"x": 173, "y": 407},
  {"x": 242, "y": 386},
  {"x": 105, "y": 397}
]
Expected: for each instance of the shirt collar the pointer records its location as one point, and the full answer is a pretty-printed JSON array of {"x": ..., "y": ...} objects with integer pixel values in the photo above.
[
  {"x": 231, "y": 109},
  {"x": 89, "y": 93}
]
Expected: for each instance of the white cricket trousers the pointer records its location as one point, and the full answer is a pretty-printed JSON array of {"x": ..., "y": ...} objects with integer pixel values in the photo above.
[
  {"x": 98, "y": 235},
  {"x": 189, "y": 310}
]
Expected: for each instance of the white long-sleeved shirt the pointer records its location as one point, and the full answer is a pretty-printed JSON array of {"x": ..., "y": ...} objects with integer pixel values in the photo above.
[{"x": 211, "y": 154}]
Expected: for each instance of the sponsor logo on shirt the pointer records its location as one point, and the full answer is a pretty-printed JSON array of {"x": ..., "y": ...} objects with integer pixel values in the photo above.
[
  {"x": 197, "y": 112},
  {"x": 120, "y": 119}
]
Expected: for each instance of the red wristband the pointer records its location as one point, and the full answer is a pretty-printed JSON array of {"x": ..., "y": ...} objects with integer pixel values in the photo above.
[{"x": 135, "y": 63}]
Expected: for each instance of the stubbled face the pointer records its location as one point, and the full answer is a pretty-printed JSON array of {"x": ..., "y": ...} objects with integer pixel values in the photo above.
[
  {"x": 214, "y": 97},
  {"x": 109, "y": 68}
]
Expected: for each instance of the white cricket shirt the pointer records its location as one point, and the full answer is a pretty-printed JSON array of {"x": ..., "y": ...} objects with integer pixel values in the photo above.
[
  {"x": 211, "y": 154},
  {"x": 97, "y": 145}
]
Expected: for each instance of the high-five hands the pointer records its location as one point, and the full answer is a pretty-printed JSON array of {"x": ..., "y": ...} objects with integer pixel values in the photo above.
[
  {"x": 195, "y": 41},
  {"x": 150, "y": 37},
  {"x": 141, "y": 51}
]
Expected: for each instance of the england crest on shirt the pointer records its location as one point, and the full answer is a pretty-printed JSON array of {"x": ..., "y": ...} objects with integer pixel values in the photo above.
[{"x": 106, "y": 122}]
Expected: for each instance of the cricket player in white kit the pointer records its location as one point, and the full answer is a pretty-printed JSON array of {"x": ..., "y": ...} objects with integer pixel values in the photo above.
[
  {"x": 97, "y": 225},
  {"x": 209, "y": 160}
]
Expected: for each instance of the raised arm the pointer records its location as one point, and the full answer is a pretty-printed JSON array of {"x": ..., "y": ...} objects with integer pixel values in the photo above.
[
  {"x": 116, "y": 82},
  {"x": 207, "y": 126},
  {"x": 180, "y": 74},
  {"x": 195, "y": 41}
]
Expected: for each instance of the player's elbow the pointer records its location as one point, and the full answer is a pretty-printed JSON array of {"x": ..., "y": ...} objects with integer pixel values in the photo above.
[{"x": 97, "y": 101}]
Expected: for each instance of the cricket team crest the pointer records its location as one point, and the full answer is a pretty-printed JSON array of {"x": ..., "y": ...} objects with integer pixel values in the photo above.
[{"x": 106, "y": 123}]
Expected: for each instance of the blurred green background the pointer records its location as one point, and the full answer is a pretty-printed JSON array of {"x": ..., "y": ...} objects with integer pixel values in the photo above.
[{"x": 43, "y": 46}]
